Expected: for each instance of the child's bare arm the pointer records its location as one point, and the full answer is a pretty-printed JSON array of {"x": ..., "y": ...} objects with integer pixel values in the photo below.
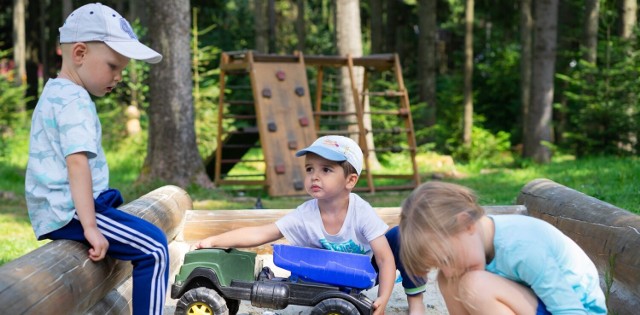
[
  {"x": 243, "y": 237},
  {"x": 386, "y": 272},
  {"x": 82, "y": 194}
]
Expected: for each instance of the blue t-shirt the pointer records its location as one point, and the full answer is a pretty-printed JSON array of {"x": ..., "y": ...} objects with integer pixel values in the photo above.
[
  {"x": 534, "y": 253},
  {"x": 64, "y": 122}
]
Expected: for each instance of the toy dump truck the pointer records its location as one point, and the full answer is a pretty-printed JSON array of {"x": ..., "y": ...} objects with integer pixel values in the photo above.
[{"x": 214, "y": 281}]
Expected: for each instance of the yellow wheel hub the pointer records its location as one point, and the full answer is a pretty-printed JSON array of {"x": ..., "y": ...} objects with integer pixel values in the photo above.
[{"x": 199, "y": 308}]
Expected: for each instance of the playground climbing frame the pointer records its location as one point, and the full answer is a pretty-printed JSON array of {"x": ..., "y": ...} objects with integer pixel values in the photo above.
[{"x": 269, "y": 100}]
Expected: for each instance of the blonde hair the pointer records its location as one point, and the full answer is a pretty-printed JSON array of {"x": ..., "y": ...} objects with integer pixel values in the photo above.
[{"x": 432, "y": 213}]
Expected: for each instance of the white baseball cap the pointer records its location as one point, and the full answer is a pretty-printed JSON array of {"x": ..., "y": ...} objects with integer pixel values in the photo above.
[
  {"x": 98, "y": 22},
  {"x": 337, "y": 149}
]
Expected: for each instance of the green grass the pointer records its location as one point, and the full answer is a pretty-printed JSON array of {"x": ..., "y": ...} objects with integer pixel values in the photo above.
[
  {"x": 17, "y": 237},
  {"x": 611, "y": 179}
]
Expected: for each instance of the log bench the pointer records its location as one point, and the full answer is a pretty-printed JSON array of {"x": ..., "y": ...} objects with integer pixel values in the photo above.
[
  {"x": 202, "y": 223},
  {"x": 608, "y": 234},
  {"x": 59, "y": 278}
]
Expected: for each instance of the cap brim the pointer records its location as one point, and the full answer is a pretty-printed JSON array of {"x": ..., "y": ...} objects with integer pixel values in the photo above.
[
  {"x": 135, "y": 50},
  {"x": 323, "y": 152}
]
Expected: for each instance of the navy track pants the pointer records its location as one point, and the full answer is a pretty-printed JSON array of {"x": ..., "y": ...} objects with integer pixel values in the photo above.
[{"x": 133, "y": 239}]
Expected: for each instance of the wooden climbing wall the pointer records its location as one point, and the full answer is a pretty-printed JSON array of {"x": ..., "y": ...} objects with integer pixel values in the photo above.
[{"x": 285, "y": 122}]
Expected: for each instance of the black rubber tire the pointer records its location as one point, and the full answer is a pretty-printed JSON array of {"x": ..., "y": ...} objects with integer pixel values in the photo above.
[
  {"x": 233, "y": 306},
  {"x": 334, "y": 306},
  {"x": 208, "y": 299}
]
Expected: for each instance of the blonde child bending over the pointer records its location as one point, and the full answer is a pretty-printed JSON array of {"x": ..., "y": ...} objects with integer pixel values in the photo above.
[
  {"x": 503, "y": 264},
  {"x": 335, "y": 219}
]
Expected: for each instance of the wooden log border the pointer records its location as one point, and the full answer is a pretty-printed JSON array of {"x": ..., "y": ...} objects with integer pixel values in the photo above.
[
  {"x": 59, "y": 278},
  {"x": 203, "y": 223},
  {"x": 608, "y": 234}
]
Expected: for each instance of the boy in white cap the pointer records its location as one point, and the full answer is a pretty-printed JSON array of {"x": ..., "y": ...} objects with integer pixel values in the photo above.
[
  {"x": 67, "y": 178},
  {"x": 335, "y": 219}
]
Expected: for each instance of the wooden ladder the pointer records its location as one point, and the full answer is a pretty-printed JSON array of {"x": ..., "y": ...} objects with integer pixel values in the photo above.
[{"x": 372, "y": 63}]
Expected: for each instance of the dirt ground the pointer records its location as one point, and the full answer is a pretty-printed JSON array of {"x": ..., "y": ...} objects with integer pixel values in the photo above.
[{"x": 397, "y": 304}]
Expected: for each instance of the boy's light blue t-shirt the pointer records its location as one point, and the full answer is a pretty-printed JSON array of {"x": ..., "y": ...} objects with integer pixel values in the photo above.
[
  {"x": 64, "y": 122},
  {"x": 536, "y": 254}
]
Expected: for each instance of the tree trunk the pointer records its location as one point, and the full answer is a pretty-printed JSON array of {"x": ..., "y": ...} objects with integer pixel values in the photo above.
[
  {"x": 391, "y": 26},
  {"x": 349, "y": 38},
  {"x": 19, "y": 42},
  {"x": 271, "y": 20},
  {"x": 377, "y": 33},
  {"x": 590, "y": 47},
  {"x": 629, "y": 21},
  {"x": 427, "y": 58},
  {"x": 261, "y": 26},
  {"x": 544, "y": 59},
  {"x": 300, "y": 26},
  {"x": 349, "y": 42},
  {"x": 172, "y": 154},
  {"x": 67, "y": 8},
  {"x": 132, "y": 112},
  {"x": 468, "y": 73},
  {"x": 592, "y": 13},
  {"x": 44, "y": 44},
  {"x": 629, "y": 18},
  {"x": 138, "y": 10},
  {"x": 35, "y": 50},
  {"x": 526, "y": 29}
]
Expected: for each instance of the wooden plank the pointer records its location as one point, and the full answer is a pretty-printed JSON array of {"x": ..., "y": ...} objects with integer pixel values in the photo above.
[
  {"x": 239, "y": 60},
  {"x": 59, "y": 278},
  {"x": 203, "y": 223},
  {"x": 608, "y": 234}
]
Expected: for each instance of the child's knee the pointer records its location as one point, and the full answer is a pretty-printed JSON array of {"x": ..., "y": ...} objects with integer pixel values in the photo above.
[
  {"x": 157, "y": 235},
  {"x": 473, "y": 287}
]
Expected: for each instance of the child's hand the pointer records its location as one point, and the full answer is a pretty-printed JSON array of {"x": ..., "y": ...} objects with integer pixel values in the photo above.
[
  {"x": 205, "y": 243},
  {"x": 99, "y": 244},
  {"x": 378, "y": 306}
]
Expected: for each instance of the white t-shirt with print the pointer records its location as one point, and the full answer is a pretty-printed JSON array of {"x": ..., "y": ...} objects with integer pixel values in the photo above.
[
  {"x": 64, "y": 122},
  {"x": 304, "y": 227}
]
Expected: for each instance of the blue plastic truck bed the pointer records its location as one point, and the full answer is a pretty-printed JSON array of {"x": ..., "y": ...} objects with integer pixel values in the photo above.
[{"x": 325, "y": 266}]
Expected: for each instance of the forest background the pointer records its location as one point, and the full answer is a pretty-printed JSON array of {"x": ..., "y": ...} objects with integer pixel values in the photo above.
[{"x": 509, "y": 89}]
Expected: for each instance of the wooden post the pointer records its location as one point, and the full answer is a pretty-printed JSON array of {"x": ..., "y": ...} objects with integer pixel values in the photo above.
[
  {"x": 608, "y": 234},
  {"x": 59, "y": 278}
]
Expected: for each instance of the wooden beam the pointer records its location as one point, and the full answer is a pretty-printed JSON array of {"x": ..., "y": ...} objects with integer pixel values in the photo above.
[
  {"x": 59, "y": 278},
  {"x": 608, "y": 234},
  {"x": 203, "y": 223},
  {"x": 239, "y": 60}
]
